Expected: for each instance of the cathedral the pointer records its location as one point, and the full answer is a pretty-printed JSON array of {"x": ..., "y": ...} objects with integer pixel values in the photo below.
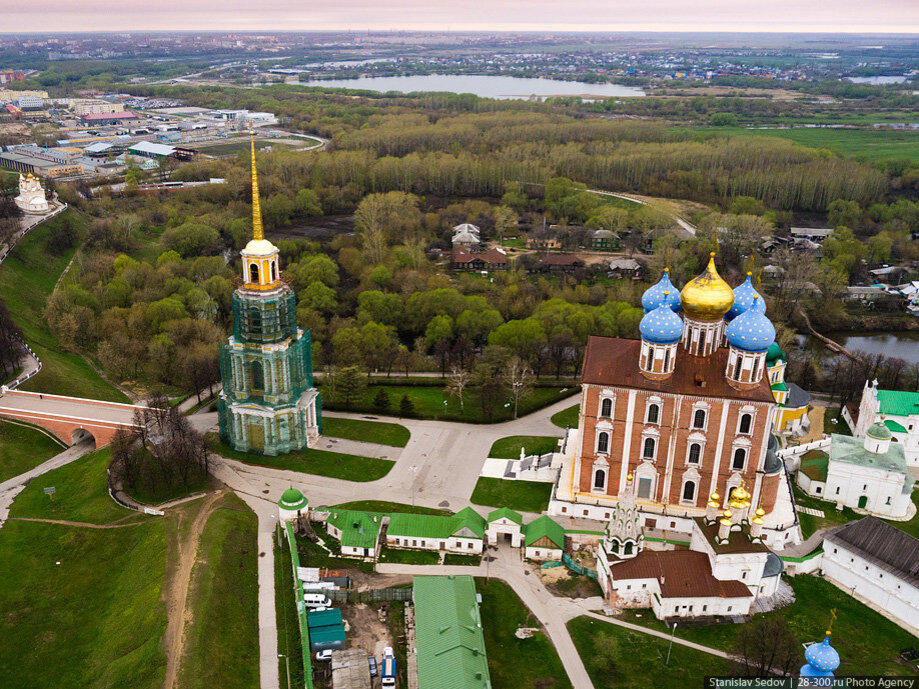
[
  {"x": 268, "y": 403},
  {"x": 31, "y": 197},
  {"x": 683, "y": 416}
]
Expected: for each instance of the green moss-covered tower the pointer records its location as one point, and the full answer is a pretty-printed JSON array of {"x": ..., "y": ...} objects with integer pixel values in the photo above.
[{"x": 268, "y": 403}]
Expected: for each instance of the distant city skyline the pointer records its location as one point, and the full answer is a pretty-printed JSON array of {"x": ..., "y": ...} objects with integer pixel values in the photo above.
[{"x": 768, "y": 16}]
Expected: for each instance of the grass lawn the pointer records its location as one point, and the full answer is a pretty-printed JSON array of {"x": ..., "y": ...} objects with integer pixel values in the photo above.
[
  {"x": 832, "y": 516},
  {"x": 567, "y": 418},
  {"x": 239, "y": 146},
  {"x": 868, "y": 643},
  {"x": 81, "y": 493},
  {"x": 311, "y": 461},
  {"x": 23, "y": 448},
  {"x": 617, "y": 657},
  {"x": 27, "y": 278},
  {"x": 222, "y": 639},
  {"x": 840, "y": 427},
  {"x": 429, "y": 401},
  {"x": 509, "y": 447},
  {"x": 516, "y": 663},
  {"x": 285, "y": 607},
  {"x": 368, "y": 431},
  {"x": 868, "y": 144},
  {"x": 383, "y": 506},
  {"x": 523, "y": 496},
  {"x": 312, "y": 554},
  {"x": 465, "y": 560},
  {"x": 409, "y": 557}
]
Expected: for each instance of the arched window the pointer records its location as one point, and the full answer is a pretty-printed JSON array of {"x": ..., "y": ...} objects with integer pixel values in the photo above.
[
  {"x": 628, "y": 548},
  {"x": 654, "y": 412},
  {"x": 255, "y": 321},
  {"x": 258, "y": 376},
  {"x": 616, "y": 547},
  {"x": 648, "y": 449},
  {"x": 274, "y": 270},
  {"x": 689, "y": 490},
  {"x": 606, "y": 407},
  {"x": 698, "y": 419},
  {"x": 695, "y": 452},
  {"x": 666, "y": 359},
  {"x": 702, "y": 343},
  {"x": 746, "y": 421},
  {"x": 756, "y": 370},
  {"x": 599, "y": 478},
  {"x": 253, "y": 272},
  {"x": 740, "y": 457},
  {"x": 737, "y": 367},
  {"x": 603, "y": 442}
]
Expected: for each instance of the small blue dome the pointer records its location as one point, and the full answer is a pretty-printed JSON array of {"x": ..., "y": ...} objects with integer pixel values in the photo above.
[
  {"x": 745, "y": 298},
  {"x": 751, "y": 331},
  {"x": 661, "y": 326},
  {"x": 663, "y": 293},
  {"x": 822, "y": 659}
]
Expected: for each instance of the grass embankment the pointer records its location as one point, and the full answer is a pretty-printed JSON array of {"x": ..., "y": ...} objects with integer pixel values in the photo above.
[
  {"x": 509, "y": 447},
  {"x": 81, "y": 607},
  {"x": 285, "y": 607},
  {"x": 567, "y": 418},
  {"x": 23, "y": 448},
  {"x": 383, "y": 506},
  {"x": 523, "y": 496},
  {"x": 27, "y": 279},
  {"x": 221, "y": 641},
  {"x": 617, "y": 657},
  {"x": 515, "y": 663},
  {"x": 310, "y": 461},
  {"x": 428, "y": 403},
  {"x": 874, "y": 653},
  {"x": 393, "y": 434}
]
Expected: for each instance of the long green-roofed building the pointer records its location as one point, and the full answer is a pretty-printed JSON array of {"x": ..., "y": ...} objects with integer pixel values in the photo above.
[{"x": 448, "y": 634}]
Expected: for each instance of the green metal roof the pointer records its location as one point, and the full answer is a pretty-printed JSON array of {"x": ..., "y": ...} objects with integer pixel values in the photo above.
[
  {"x": 898, "y": 402},
  {"x": 505, "y": 512},
  {"x": 324, "y": 635},
  {"x": 358, "y": 529},
  {"x": 844, "y": 448},
  {"x": 781, "y": 387},
  {"x": 292, "y": 499},
  {"x": 814, "y": 464},
  {"x": 448, "y": 633},
  {"x": 878, "y": 431},
  {"x": 774, "y": 353},
  {"x": 894, "y": 426},
  {"x": 323, "y": 618},
  {"x": 435, "y": 526},
  {"x": 544, "y": 526}
]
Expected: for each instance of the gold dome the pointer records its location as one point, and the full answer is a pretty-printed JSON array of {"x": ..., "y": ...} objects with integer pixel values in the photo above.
[{"x": 707, "y": 297}]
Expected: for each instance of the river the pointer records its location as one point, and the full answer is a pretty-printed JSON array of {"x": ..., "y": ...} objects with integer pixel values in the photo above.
[
  {"x": 902, "y": 345},
  {"x": 502, "y": 88}
]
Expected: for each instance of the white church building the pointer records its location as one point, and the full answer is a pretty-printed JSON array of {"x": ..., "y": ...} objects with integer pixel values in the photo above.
[
  {"x": 897, "y": 410},
  {"x": 31, "y": 197}
]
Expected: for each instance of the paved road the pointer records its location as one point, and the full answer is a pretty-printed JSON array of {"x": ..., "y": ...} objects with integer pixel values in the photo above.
[{"x": 69, "y": 407}]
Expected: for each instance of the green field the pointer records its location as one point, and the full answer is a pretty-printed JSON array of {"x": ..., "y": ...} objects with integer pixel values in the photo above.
[
  {"x": 567, "y": 418},
  {"x": 620, "y": 658},
  {"x": 516, "y": 663},
  {"x": 429, "y": 403},
  {"x": 868, "y": 144},
  {"x": 23, "y": 448},
  {"x": 310, "y": 461},
  {"x": 221, "y": 643},
  {"x": 874, "y": 653},
  {"x": 367, "y": 431},
  {"x": 27, "y": 278},
  {"x": 383, "y": 506},
  {"x": 509, "y": 447},
  {"x": 240, "y": 146},
  {"x": 523, "y": 496}
]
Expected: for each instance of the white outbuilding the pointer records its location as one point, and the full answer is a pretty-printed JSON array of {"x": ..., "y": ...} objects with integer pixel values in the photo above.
[{"x": 292, "y": 504}]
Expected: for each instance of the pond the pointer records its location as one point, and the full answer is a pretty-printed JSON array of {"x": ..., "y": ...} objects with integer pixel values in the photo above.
[
  {"x": 502, "y": 88},
  {"x": 901, "y": 345}
]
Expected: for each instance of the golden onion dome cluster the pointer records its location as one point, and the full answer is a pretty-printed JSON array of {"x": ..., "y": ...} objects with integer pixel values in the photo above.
[{"x": 707, "y": 297}]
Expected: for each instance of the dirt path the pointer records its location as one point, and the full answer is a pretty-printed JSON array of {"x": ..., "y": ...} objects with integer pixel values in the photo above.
[
  {"x": 177, "y": 589},
  {"x": 112, "y": 525}
]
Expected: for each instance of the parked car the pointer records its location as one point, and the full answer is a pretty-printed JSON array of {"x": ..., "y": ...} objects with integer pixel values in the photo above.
[
  {"x": 373, "y": 666},
  {"x": 325, "y": 655},
  {"x": 388, "y": 674}
]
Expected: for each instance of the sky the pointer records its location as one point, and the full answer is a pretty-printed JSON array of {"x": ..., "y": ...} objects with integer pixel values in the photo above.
[{"x": 849, "y": 16}]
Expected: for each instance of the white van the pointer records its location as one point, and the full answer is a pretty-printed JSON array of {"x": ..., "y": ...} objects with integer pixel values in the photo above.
[{"x": 316, "y": 600}]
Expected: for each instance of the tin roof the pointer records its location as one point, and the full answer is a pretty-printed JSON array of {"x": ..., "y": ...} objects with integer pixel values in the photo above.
[{"x": 883, "y": 544}]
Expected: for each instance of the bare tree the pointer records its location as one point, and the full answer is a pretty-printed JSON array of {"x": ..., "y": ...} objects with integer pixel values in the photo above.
[
  {"x": 766, "y": 647},
  {"x": 457, "y": 382},
  {"x": 519, "y": 378}
]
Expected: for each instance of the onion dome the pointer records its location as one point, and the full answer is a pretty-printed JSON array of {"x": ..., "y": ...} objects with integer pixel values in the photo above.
[
  {"x": 821, "y": 659},
  {"x": 740, "y": 498},
  {"x": 661, "y": 326},
  {"x": 774, "y": 353},
  {"x": 292, "y": 500},
  {"x": 707, "y": 297},
  {"x": 879, "y": 431},
  {"x": 662, "y": 293},
  {"x": 745, "y": 297},
  {"x": 751, "y": 331}
]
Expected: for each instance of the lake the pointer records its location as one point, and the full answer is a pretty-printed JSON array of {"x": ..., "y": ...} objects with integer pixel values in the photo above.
[
  {"x": 902, "y": 345},
  {"x": 502, "y": 88}
]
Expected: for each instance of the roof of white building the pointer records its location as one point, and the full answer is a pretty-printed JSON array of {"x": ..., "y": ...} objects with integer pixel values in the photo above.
[
  {"x": 882, "y": 544},
  {"x": 845, "y": 448}
]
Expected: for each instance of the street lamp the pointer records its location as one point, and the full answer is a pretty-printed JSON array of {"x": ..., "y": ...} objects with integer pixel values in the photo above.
[
  {"x": 672, "y": 632},
  {"x": 287, "y": 663}
]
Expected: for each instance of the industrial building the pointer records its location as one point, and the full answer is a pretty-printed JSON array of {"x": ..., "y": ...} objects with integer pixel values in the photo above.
[
  {"x": 27, "y": 162},
  {"x": 106, "y": 119}
]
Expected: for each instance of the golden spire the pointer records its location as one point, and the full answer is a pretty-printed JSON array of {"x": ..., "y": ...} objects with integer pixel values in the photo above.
[{"x": 258, "y": 232}]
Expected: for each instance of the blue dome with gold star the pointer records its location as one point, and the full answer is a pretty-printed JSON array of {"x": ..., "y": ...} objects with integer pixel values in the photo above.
[
  {"x": 751, "y": 331},
  {"x": 661, "y": 326},
  {"x": 822, "y": 659},
  {"x": 745, "y": 298},
  {"x": 663, "y": 293}
]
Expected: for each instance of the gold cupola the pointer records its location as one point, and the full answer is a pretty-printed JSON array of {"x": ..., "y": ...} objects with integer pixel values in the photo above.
[{"x": 707, "y": 297}]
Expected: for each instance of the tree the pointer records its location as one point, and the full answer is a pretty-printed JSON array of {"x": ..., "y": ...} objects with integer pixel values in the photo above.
[
  {"x": 192, "y": 239},
  {"x": 381, "y": 401},
  {"x": 506, "y": 219},
  {"x": 842, "y": 212},
  {"x": 384, "y": 218},
  {"x": 347, "y": 385},
  {"x": 457, "y": 382},
  {"x": 307, "y": 203},
  {"x": 406, "y": 406},
  {"x": 765, "y": 647},
  {"x": 438, "y": 336},
  {"x": 723, "y": 119},
  {"x": 518, "y": 376}
]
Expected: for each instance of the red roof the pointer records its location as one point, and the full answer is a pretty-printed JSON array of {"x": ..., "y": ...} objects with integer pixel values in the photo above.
[
  {"x": 680, "y": 573},
  {"x": 614, "y": 361},
  {"x": 110, "y": 116},
  {"x": 491, "y": 256}
]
